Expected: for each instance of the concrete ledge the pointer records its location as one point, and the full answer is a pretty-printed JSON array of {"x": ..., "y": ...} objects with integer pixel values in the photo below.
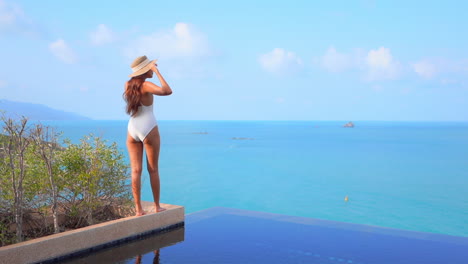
[{"x": 71, "y": 242}]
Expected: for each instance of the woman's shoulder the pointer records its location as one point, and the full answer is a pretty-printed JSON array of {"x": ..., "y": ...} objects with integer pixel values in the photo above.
[{"x": 148, "y": 85}]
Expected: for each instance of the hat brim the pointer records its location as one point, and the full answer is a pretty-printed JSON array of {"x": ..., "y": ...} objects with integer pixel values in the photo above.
[{"x": 144, "y": 69}]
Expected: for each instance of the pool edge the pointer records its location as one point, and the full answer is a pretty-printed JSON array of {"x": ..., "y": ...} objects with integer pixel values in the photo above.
[{"x": 366, "y": 228}]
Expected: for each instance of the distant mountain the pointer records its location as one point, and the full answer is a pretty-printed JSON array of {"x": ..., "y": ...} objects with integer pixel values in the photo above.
[{"x": 36, "y": 111}]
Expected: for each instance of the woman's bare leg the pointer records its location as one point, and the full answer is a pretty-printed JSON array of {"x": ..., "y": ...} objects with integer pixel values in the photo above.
[
  {"x": 135, "y": 151},
  {"x": 152, "y": 145}
]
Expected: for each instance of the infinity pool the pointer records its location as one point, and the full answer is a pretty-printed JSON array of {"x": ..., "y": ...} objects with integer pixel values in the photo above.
[{"x": 223, "y": 235}]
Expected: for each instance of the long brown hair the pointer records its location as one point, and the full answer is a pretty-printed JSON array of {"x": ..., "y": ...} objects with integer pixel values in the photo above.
[{"x": 132, "y": 94}]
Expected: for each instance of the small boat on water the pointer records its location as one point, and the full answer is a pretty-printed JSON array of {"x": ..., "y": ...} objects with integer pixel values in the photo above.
[{"x": 349, "y": 124}]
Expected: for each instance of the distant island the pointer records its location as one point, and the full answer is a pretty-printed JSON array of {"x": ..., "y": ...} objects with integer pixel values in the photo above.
[
  {"x": 36, "y": 111},
  {"x": 242, "y": 138},
  {"x": 349, "y": 124}
]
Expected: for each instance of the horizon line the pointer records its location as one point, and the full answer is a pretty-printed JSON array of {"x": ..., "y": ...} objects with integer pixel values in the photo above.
[{"x": 282, "y": 120}]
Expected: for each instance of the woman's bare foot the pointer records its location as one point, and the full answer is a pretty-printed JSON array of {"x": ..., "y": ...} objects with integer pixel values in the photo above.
[
  {"x": 140, "y": 213},
  {"x": 160, "y": 209}
]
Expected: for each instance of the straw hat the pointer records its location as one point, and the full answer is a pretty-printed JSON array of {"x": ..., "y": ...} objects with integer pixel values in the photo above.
[{"x": 141, "y": 65}]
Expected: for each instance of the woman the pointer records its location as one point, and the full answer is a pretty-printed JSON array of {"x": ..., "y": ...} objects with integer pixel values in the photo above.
[{"x": 142, "y": 127}]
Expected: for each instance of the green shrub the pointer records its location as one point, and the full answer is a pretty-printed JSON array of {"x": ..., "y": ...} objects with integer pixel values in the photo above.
[{"x": 85, "y": 183}]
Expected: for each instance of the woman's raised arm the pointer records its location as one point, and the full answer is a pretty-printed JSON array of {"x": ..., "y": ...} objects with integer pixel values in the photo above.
[{"x": 150, "y": 87}]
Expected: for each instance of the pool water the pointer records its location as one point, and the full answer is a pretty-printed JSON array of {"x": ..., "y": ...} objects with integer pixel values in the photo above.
[{"x": 224, "y": 235}]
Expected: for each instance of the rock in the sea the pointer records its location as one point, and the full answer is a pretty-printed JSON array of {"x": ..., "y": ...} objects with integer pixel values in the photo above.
[{"x": 349, "y": 124}]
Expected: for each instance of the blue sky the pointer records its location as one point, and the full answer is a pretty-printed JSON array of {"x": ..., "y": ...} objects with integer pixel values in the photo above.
[{"x": 238, "y": 60}]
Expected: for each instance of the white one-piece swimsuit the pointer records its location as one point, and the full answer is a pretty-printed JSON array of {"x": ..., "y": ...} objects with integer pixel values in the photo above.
[{"x": 142, "y": 122}]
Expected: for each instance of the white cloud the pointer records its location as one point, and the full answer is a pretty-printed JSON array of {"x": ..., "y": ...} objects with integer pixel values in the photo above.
[
  {"x": 102, "y": 35},
  {"x": 62, "y": 51},
  {"x": 9, "y": 14},
  {"x": 445, "y": 71},
  {"x": 381, "y": 65},
  {"x": 13, "y": 19},
  {"x": 182, "y": 41},
  {"x": 280, "y": 61},
  {"x": 183, "y": 51},
  {"x": 375, "y": 65},
  {"x": 336, "y": 62},
  {"x": 424, "y": 69}
]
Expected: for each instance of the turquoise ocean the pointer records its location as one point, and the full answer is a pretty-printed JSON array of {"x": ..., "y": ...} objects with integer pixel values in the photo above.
[{"x": 405, "y": 175}]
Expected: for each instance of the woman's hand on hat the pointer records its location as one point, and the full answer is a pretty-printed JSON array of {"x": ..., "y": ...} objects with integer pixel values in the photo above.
[{"x": 154, "y": 67}]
